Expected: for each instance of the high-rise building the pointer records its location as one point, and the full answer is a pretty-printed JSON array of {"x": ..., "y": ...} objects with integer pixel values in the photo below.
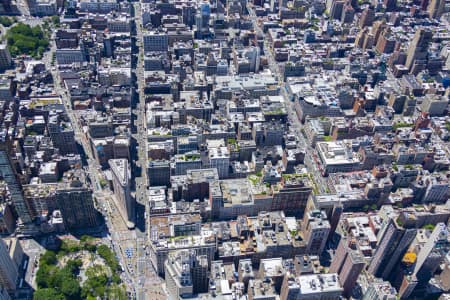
[
  {"x": 434, "y": 105},
  {"x": 122, "y": 195},
  {"x": 292, "y": 195},
  {"x": 188, "y": 14},
  {"x": 429, "y": 257},
  {"x": 203, "y": 245},
  {"x": 158, "y": 172},
  {"x": 437, "y": 189},
  {"x": 75, "y": 201},
  {"x": 5, "y": 57},
  {"x": 186, "y": 273},
  {"x": 40, "y": 198},
  {"x": 380, "y": 290},
  {"x": 199, "y": 274},
  {"x": 436, "y": 8},
  {"x": 8, "y": 268},
  {"x": 390, "y": 5},
  {"x": 4, "y": 294},
  {"x": 202, "y": 20},
  {"x": 7, "y": 220},
  {"x": 62, "y": 135},
  {"x": 254, "y": 58},
  {"x": 378, "y": 28},
  {"x": 245, "y": 272},
  {"x": 367, "y": 17},
  {"x": 219, "y": 158},
  {"x": 7, "y": 7},
  {"x": 348, "y": 264},
  {"x": 386, "y": 42},
  {"x": 310, "y": 286},
  {"x": 316, "y": 230},
  {"x": 335, "y": 216},
  {"x": 394, "y": 242},
  {"x": 348, "y": 14},
  {"x": 155, "y": 41},
  {"x": 418, "y": 48},
  {"x": 9, "y": 175},
  {"x": 187, "y": 161},
  {"x": 336, "y": 9}
]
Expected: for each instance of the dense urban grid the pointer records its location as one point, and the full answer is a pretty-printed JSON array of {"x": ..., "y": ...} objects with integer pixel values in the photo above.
[{"x": 231, "y": 149}]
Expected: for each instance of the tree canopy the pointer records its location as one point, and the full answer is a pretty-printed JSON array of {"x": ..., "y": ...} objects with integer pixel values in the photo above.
[
  {"x": 24, "y": 39},
  {"x": 48, "y": 293},
  {"x": 62, "y": 282}
]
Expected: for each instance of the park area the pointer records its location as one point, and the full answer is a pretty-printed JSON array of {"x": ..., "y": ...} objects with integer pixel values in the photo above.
[{"x": 80, "y": 269}]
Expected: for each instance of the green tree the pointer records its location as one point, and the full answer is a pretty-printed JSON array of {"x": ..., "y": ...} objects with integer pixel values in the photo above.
[
  {"x": 24, "y": 39},
  {"x": 71, "y": 289},
  {"x": 48, "y": 294},
  {"x": 56, "y": 277},
  {"x": 115, "y": 278},
  {"x": 86, "y": 238},
  {"x": 5, "y": 21},
  {"x": 116, "y": 292},
  {"x": 42, "y": 276},
  {"x": 48, "y": 258},
  {"x": 108, "y": 256},
  {"x": 73, "y": 266},
  {"x": 56, "y": 20},
  {"x": 70, "y": 246},
  {"x": 95, "y": 286}
]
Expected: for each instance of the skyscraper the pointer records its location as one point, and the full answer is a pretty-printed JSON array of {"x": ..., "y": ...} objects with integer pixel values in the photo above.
[
  {"x": 436, "y": 8},
  {"x": 75, "y": 201},
  {"x": 121, "y": 183},
  {"x": 316, "y": 231},
  {"x": 62, "y": 134},
  {"x": 432, "y": 253},
  {"x": 186, "y": 273},
  {"x": 429, "y": 257},
  {"x": 348, "y": 264},
  {"x": 8, "y": 173},
  {"x": 8, "y": 269},
  {"x": 5, "y": 57},
  {"x": 380, "y": 290},
  {"x": 158, "y": 172},
  {"x": 418, "y": 48},
  {"x": 394, "y": 242},
  {"x": 202, "y": 19},
  {"x": 390, "y": 5},
  {"x": 367, "y": 17}
]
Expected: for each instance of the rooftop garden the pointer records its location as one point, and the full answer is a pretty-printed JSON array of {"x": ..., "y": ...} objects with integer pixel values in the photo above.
[
  {"x": 401, "y": 125},
  {"x": 277, "y": 111},
  {"x": 255, "y": 180},
  {"x": 291, "y": 176},
  {"x": 231, "y": 141},
  {"x": 429, "y": 227},
  {"x": 190, "y": 157}
]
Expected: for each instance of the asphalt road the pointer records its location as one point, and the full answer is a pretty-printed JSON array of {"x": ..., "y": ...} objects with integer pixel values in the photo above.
[
  {"x": 148, "y": 285},
  {"x": 104, "y": 203}
]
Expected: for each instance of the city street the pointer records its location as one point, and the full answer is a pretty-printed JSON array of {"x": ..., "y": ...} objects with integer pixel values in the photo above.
[
  {"x": 149, "y": 285},
  {"x": 130, "y": 245},
  {"x": 113, "y": 220}
]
